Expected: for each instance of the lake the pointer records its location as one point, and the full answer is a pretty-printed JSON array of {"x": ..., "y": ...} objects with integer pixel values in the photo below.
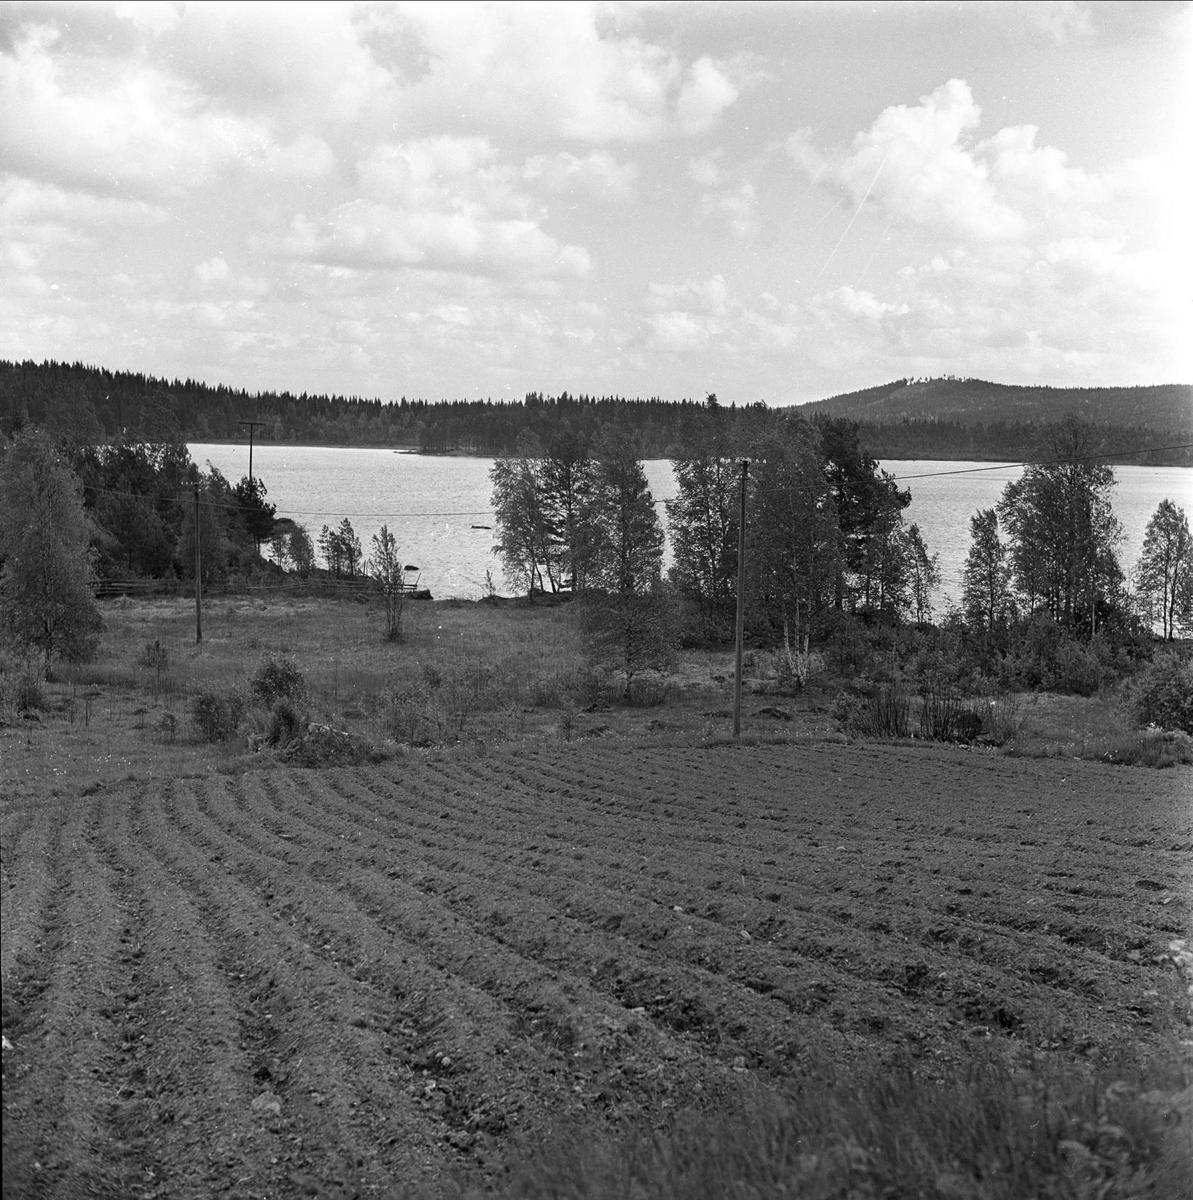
[{"x": 439, "y": 507}]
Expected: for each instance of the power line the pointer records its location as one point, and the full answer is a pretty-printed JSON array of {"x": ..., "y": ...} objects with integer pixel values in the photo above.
[{"x": 488, "y": 512}]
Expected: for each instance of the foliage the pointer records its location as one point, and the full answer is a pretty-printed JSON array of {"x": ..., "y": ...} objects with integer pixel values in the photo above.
[
  {"x": 253, "y": 512},
  {"x": 794, "y": 558},
  {"x": 923, "y": 574},
  {"x": 989, "y": 1131},
  {"x": 703, "y": 520},
  {"x": 869, "y": 510},
  {"x": 539, "y": 496},
  {"x": 1164, "y": 573},
  {"x": 945, "y": 717},
  {"x": 1163, "y": 695},
  {"x": 624, "y": 551},
  {"x": 629, "y": 616},
  {"x": 300, "y": 551},
  {"x": 986, "y": 576},
  {"x": 21, "y": 690},
  {"x": 900, "y": 419},
  {"x": 216, "y": 713},
  {"x": 874, "y": 710},
  {"x": 1063, "y": 533},
  {"x": 526, "y": 539},
  {"x": 631, "y": 632},
  {"x": 215, "y": 548},
  {"x": 277, "y": 677},
  {"x": 285, "y": 722},
  {"x": 46, "y": 601},
  {"x": 341, "y": 550},
  {"x": 386, "y": 568},
  {"x": 132, "y": 488},
  {"x": 1156, "y": 748}
]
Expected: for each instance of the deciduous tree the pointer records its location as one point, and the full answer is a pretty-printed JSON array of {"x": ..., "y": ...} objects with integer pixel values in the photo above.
[
  {"x": 703, "y": 522},
  {"x": 1063, "y": 532},
  {"x": 386, "y": 568},
  {"x": 793, "y": 549},
  {"x": 986, "y": 577},
  {"x": 1164, "y": 573},
  {"x": 46, "y": 600},
  {"x": 628, "y": 613},
  {"x": 923, "y": 573}
]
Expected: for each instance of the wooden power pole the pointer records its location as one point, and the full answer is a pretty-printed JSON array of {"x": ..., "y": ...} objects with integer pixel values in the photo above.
[
  {"x": 252, "y": 425},
  {"x": 198, "y": 572},
  {"x": 741, "y": 599}
]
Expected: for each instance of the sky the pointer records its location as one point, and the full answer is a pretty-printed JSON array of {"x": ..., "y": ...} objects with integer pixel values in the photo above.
[{"x": 776, "y": 202}]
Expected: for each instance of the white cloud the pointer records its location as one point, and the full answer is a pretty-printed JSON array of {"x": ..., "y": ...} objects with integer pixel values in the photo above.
[
  {"x": 439, "y": 203},
  {"x": 705, "y": 96},
  {"x": 1063, "y": 21},
  {"x": 86, "y": 124},
  {"x": 366, "y": 235},
  {"x": 738, "y": 207},
  {"x": 554, "y": 68},
  {"x": 595, "y": 176},
  {"x": 705, "y": 169}
]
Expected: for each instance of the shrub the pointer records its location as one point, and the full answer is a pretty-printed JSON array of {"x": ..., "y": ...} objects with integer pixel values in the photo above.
[
  {"x": 155, "y": 656},
  {"x": 1078, "y": 669},
  {"x": 1142, "y": 748},
  {"x": 276, "y": 678},
  {"x": 285, "y": 723},
  {"x": 216, "y": 715},
  {"x": 1164, "y": 694},
  {"x": 21, "y": 691},
  {"x": 1002, "y": 722},
  {"x": 878, "y": 711}
]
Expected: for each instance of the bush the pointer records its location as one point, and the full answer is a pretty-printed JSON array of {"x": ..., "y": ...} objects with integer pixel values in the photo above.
[
  {"x": 1078, "y": 669},
  {"x": 285, "y": 723},
  {"x": 276, "y": 678},
  {"x": 155, "y": 656},
  {"x": 1164, "y": 694},
  {"x": 877, "y": 711},
  {"x": 20, "y": 692},
  {"x": 216, "y": 715},
  {"x": 1142, "y": 748},
  {"x": 1002, "y": 722}
]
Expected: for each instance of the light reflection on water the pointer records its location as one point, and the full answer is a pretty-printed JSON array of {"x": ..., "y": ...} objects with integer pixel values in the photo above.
[{"x": 434, "y": 504}]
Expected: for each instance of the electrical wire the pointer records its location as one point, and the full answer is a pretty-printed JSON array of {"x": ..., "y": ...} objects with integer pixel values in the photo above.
[{"x": 488, "y": 512}]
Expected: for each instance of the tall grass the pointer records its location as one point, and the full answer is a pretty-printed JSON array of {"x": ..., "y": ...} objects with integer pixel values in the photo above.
[{"x": 993, "y": 1134}]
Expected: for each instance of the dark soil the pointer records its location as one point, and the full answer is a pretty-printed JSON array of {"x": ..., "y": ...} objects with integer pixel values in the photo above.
[{"x": 344, "y": 982}]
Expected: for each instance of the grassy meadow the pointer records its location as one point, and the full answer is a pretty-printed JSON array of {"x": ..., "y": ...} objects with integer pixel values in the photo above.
[
  {"x": 465, "y": 674},
  {"x": 468, "y": 676}
]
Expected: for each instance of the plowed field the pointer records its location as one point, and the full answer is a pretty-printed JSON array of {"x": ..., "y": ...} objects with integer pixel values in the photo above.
[{"x": 339, "y": 982}]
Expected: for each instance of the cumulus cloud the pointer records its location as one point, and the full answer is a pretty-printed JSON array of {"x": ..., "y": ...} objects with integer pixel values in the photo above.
[
  {"x": 1026, "y": 251},
  {"x": 83, "y": 124},
  {"x": 555, "y": 69},
  {"x": 704, "y": 97},
  {"x": 737, "y": 207},
  {"x": 924, "y": 165},
  {"x": 596, "y": 176},
  {"x": 441, "y": 203}
]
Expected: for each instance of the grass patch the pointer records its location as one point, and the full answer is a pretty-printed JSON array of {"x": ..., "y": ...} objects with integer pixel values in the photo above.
[{"x": 997, "y": 1134}]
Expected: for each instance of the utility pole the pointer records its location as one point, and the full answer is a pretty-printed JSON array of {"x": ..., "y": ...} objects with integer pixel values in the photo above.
[
  {"x": 252, "y": 425},
  {"x": 741, "y": 599},
  {"x": 198, "y": 572}
]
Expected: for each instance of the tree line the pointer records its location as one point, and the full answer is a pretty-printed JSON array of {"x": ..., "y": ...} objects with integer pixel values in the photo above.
[
  {"x": 825, "y": 543},
  {"x": 109, "y": 405}
]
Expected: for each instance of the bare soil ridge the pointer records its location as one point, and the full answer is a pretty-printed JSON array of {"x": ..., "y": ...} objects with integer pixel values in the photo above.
[{"x": 335, "y": 983}]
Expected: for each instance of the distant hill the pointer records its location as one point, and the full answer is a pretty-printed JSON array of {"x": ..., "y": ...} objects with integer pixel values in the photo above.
[
  {"x": 940, "y": 418},
  {"x": 1167, "y": 407}
]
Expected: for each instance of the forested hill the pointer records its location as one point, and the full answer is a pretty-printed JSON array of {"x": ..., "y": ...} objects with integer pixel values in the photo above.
[
  {"x": 973, "y": 401},
  {"x": 952, "y": 419}
]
